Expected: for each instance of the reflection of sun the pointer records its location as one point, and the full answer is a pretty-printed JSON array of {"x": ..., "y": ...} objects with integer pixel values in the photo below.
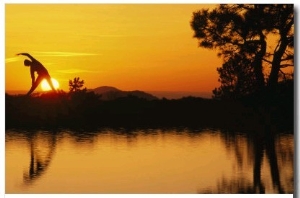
[{"x": 46, "y": 87}]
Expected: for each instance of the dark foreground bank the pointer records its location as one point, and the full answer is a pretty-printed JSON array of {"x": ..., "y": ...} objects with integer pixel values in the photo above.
[{"x": 86, "y": 110}]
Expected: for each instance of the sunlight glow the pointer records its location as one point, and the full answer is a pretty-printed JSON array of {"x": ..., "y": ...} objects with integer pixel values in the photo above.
[
  {"x": 46, "y": 87},
  {"x": 108, "y": 44}
]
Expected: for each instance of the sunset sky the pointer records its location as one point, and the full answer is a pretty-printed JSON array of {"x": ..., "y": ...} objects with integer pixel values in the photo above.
[{"x": 147, "y": 47}]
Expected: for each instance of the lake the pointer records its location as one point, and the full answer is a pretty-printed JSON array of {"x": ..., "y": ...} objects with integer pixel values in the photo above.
[{"x": 170, "y": 160}]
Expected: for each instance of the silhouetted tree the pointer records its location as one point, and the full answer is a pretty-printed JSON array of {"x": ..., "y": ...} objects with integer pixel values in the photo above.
[
  {"x": 240, "y": 32},
  {"x": 75, "y": 84},
  {"x": 236, "y": 77}
]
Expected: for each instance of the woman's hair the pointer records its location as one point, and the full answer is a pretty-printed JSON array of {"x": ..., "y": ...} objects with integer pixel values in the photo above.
[{"x": 27, "y": 62}]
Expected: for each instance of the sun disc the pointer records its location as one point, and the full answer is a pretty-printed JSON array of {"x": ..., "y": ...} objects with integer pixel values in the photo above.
[{"x": 46, "y": 87}]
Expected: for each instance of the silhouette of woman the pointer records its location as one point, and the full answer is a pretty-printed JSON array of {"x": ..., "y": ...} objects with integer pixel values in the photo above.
[{"x": 36, "y": 66}]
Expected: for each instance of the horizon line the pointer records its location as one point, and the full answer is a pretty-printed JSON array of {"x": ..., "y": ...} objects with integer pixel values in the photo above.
[{"x": 159, "y": 94}]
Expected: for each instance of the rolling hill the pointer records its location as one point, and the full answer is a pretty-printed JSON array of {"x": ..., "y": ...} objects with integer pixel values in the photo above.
[{"x": 111, "y": 93}]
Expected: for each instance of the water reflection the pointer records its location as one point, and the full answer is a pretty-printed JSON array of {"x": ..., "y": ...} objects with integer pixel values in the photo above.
[
  {"x": 265, "y": 144},
  {"x": 149, "y": 161},
  {"x": 264, "y": 152},
  {"x": 42, "y": 149}
]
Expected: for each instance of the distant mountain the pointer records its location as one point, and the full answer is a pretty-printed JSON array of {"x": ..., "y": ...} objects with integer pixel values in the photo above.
[
  {"x": 111, "y": 93},
  {"x": 104, "y": 89}
]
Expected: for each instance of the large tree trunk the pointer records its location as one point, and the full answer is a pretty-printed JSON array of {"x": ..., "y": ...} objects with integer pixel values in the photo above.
[
  {"x": 276, "y": 63},
  {"x": 273, "y": 78},
  {"x": 257, "y": 64}
]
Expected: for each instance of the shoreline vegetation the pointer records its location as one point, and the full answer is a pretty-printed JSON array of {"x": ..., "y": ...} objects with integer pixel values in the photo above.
[
  {"x": 85, "y": 109},
  {"x": 159, "y": 94}
]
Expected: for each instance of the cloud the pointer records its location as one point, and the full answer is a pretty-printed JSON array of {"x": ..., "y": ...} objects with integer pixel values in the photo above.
[
  {"x": 64, "y": 54},
  {"x": 36, "y": 53},
  {"x": 73, "y": 71},
  {"x": 104, "y": 35},
  {"x": 10, "y": 60}
]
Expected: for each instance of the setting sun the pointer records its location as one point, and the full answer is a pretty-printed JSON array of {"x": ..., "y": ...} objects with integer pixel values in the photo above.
[{"x": 46, "y": 87}]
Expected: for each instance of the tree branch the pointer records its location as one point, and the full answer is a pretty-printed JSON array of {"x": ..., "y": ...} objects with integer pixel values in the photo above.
[
  {"x": 267, "y": 61},
  {"x": 286, "y": 65},
  {"x": 283, "y": 74}
]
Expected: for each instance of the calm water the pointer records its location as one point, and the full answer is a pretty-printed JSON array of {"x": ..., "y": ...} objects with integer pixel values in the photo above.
[{"x": 147, "y": 161}]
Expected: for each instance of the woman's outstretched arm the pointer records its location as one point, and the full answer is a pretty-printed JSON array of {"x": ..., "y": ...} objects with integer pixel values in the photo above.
[{"x": 28, "y": 55}]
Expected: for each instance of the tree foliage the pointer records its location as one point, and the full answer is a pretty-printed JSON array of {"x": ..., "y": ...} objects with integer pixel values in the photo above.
[
  {"x": 76, "y": 84},
  {"x": 250, "y": 38}
]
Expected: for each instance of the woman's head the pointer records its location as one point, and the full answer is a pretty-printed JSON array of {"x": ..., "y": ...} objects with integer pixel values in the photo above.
[{"x": 27, "y": 62}]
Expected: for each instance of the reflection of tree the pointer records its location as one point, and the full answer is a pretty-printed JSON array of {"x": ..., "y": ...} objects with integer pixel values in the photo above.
[
  {"x": 238, "y": 186},
  {"x": 265, "y": 144},
  {"x": 41, "y": 152}
]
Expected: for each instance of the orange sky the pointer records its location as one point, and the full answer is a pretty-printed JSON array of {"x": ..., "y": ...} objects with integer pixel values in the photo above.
[{"x": 131, "y": 46}]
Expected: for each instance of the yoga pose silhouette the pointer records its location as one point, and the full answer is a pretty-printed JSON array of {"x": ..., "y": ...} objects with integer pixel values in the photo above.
[{"x": 36, "y": 66}]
